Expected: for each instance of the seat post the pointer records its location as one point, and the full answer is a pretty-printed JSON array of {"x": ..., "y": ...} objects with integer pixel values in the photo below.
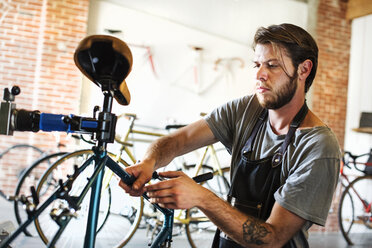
[{"x": 106, "y": 119}]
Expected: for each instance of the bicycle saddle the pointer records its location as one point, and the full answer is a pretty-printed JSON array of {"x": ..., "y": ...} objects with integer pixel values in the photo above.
[{"x": 106, "y": 61}]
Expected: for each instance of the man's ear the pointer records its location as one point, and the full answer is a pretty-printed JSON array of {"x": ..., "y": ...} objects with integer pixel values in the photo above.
[{"x": 304, "y": 69}]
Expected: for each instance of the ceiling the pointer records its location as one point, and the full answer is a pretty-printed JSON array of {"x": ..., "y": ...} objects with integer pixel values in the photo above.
[{"x": 217, "y": 17}]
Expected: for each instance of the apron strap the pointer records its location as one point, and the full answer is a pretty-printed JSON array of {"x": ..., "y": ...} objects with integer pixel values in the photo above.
[
  {"x": 248, "y": 145},
  {"x": 216, "y": 239},
  {"x": 300, "y": 116}
]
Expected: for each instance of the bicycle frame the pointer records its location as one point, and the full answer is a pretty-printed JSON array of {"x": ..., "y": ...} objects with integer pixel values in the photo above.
[
  {"x": 367, "y": 207},
  {"x": 354, "y": 209}
]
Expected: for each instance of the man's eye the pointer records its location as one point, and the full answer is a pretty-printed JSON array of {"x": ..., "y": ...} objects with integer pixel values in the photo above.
[
  {"x": 256, "y": 66},
  {"x": 272, "y": 65}
]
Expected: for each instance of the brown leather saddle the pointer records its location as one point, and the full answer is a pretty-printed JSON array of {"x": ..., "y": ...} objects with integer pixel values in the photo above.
[{"x": 106, "y": 61}]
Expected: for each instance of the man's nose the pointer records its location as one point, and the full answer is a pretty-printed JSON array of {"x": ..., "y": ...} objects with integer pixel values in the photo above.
[{"x": 261, "y": 74}]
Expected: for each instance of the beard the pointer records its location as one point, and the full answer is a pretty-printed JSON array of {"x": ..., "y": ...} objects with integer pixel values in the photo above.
[{"x": 281, "y": 96}]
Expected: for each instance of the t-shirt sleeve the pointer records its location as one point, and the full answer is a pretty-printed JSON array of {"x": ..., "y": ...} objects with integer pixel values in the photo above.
[
  {"x": 309, "y": 188},
  {"x": 221, "y": 121}
]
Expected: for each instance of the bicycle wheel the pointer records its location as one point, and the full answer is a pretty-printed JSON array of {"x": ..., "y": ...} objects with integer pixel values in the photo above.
[
  {"x": 22, "y": 146},
  {"x": 13, "y": 161},
  {"x": 29, "y": 178},
  {"x": 219, "y": 184},
  {"x": 355, "y": 215},
  {"x": 219, "y": 164},
  {"x": 199, "y": 229},
  {"x": 117, "y": 220}
]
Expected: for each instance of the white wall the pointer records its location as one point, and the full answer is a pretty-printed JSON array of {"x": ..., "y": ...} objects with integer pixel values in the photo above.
[
  {"x": 170, "y": 97},
  {"x": 360, "y": 85}
]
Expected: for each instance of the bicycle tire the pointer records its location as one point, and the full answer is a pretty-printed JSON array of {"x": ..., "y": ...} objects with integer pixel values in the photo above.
[
  {"x": 116, "y": 227},
  {"x": 13, "y": 165},
  {"x": 29, "y": 178},
  {"x": 199, "y": 229},
  {"x": 355, "y": 220},
  {"x": 220, "y": 183},
  {"x": 21, "y": 146},
  {"x": 26, "y": 148}
]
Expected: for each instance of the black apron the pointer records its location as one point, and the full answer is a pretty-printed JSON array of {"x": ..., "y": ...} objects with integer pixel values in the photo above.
[{"x": 254, "y": 182}]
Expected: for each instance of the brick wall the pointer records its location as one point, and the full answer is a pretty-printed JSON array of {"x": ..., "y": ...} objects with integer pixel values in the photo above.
[
  {"x": 333, "y": 33},
  {"x": 37, "y": 42}
]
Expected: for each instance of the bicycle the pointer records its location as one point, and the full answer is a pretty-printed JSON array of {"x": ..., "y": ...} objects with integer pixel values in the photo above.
[
  {"x": 191, "y": 222},
  {"x": 355, "y": 207},
  {"x": 197, "y": 227},
  {"x": 195, "y": 72},
  {"x": 211, "y": 159},
  {"x": 129, "y": 216},
  {"x": 106, "y": 61}
]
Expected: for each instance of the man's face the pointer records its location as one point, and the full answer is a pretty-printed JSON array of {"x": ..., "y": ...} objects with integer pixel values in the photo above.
[{"x": 276, "y": 78}]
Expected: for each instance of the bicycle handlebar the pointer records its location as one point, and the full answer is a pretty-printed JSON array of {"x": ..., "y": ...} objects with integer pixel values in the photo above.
[
  {"x": 176, "y": 126},
  {"x": 348, "y": 158}
]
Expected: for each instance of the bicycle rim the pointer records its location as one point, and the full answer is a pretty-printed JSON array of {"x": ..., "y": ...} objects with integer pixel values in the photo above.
[
  {"x": 219, "y": 184},
  {"x": 119, "y": 214},
  {"x": 355, "y": 216},
  {"x": 29, "y": 178},
  {"x": 14, "y": 161},
  {"x": 199, "y": 230},
  {"x": 220, "y": 166}
]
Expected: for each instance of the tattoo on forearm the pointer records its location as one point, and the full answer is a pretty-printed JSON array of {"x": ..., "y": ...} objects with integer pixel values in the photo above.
[{"x": 254, "y": 232}]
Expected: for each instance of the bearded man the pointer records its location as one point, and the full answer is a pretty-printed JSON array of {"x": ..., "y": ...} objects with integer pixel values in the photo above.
[{"x": 285, "y": 160}]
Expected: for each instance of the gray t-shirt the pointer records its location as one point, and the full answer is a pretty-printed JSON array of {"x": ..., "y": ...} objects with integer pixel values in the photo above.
[{"x": 310, "y": 167}]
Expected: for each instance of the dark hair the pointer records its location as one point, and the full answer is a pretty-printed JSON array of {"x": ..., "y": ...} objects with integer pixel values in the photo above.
[{"x": 298, "y": 44}]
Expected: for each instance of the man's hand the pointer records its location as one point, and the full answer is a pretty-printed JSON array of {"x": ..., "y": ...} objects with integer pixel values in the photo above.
[
  {"x": 178, "y": 192},
  {"x": 143, "y": 173}
]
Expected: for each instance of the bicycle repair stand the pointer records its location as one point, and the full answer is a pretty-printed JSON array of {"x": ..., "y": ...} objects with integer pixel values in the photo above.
[{"x": 106, "y": 61}]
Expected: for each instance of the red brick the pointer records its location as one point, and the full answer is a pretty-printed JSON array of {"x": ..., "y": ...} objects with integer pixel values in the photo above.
[{"x": 19, "y": 43}]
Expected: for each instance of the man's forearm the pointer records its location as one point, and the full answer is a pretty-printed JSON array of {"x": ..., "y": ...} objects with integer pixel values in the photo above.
[
  {"x": 162, "y": 151},
  {"x": 184, "y": 140},
  {"x": 246, "y": 230}
]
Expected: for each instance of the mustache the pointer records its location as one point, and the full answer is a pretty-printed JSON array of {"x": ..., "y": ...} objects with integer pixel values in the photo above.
[{"x": 261, "y": 84}]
